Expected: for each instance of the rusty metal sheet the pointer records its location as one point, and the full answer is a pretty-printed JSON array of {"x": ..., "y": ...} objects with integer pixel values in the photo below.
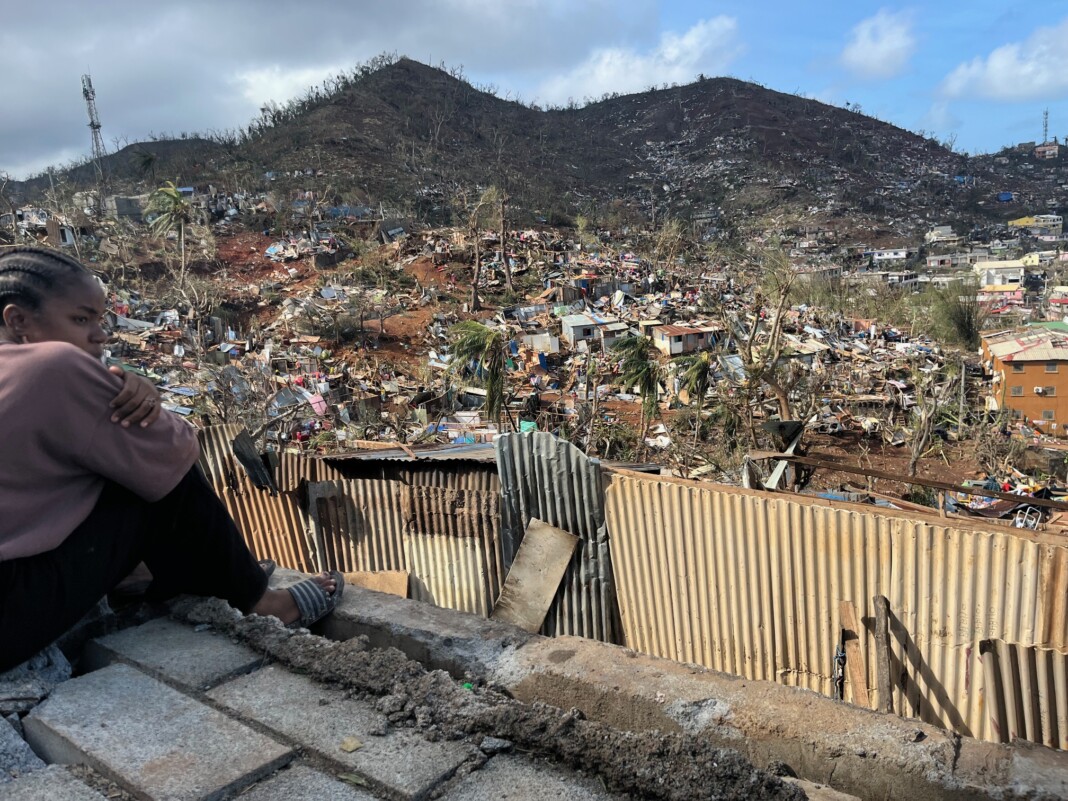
[
  {"x": 452, "y": 475},
  {"x": 274, "y": 526},
  {"x": 548, "y": 478},
  {"x": 358, "y": 524},
  {"x": 749, "y": 583},
  {"x": 447, "y": 539}
]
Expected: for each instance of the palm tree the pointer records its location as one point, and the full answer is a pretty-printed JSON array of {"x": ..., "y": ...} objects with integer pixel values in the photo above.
[
  {"x": 697, "y": 371},
  {"x": 486, "y": 349},
  {"x": 175, "y": 213},
  {"x": 641, "y": 369}
]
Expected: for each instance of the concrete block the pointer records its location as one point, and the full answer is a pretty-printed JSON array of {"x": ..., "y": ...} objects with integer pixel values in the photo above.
[
  {"x": 441, "y": 639},
  {"x": 301, "y": 783},
  {"x": 16, "y": 757},
  {"x": 401, "y": 763},
  {"x": 150, "y": 738},
  {"x": 520, "y": 779},
  {"x": 174, "y": 652},
  {"x": 53, "y": 783}
]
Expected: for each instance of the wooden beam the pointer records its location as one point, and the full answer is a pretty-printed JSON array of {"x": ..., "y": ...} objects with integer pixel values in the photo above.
[
  {"x": 920, "y": 482},
  {"x": 858, "y": 678},
  {"x": 882, "y": 653}
]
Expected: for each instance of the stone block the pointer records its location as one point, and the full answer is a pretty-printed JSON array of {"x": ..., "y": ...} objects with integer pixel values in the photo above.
[
  {"x": 521, "y": 779},
  {"x": 53, "y": 783},
  {"x": 16, "y": 757},
  {"x": 26, "y": 685},
  {"x": 301, "y": 783},
  {"x": 174, "y": 652},
  {"x": 150, "y": 738},
  {"x": 401, "y": 764}
]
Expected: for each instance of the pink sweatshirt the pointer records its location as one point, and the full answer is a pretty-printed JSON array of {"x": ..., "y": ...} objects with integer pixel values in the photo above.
[{"x": 58, "y": 445}]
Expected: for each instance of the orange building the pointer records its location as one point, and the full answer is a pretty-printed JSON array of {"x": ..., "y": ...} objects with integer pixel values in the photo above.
[{"x": 1030, "y": 377}]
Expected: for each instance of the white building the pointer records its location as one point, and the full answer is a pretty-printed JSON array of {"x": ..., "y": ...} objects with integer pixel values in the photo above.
[{"x": 1010, "y": 271}]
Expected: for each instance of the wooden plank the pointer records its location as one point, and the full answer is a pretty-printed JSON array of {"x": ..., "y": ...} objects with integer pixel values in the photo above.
[
  {"x": 920, "y": 482},
  {"x": 858, "y": 678},
  {"x": 391, "y": 582},
  {"x": 882, "y": 653},
  {"x": 535, "y": 575}
]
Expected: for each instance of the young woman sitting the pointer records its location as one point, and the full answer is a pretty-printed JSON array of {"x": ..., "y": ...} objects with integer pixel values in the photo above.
[{"x": 95, "y": 478}]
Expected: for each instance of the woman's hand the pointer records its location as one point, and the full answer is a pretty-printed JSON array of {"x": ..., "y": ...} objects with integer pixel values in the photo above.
[{"x": 137, "y": 401}]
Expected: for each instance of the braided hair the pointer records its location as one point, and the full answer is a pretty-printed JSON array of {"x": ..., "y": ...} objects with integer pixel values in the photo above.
[{"x": 30, "y": 274}]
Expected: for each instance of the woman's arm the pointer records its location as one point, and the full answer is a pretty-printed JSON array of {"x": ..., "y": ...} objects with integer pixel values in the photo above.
[{"x": 137, "y": 401}]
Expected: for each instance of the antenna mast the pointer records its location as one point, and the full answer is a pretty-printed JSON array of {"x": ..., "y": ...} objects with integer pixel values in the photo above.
[
  {"x": 98, "y": 142},
  {"x": 1045, "y": 126}
]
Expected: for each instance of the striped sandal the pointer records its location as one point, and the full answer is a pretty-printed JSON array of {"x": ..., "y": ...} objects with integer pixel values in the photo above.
[{"x": 313, "y": 602}]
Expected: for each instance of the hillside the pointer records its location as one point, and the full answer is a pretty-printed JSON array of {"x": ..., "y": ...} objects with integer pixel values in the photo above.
[{"x": 409, "y": 134}]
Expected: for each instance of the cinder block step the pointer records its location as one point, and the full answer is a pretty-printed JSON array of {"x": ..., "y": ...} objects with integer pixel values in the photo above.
[
  {"x": 153, "y": 740},
  {"x": 174, "y": 652},
  {"x": 519, "y": 779},
  {"x": 301, "y": 783},
  {"x": 401, "y": 764},
  {"x": 53, "y": 783}
]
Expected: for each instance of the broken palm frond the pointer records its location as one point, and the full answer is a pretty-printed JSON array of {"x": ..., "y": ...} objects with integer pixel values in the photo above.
[
  {"x": 476, "y": 344},
  {"x": 641, "y": 368}
]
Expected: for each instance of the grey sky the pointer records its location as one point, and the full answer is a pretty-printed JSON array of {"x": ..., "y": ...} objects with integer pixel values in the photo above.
[{"x": 205, "y": 65}]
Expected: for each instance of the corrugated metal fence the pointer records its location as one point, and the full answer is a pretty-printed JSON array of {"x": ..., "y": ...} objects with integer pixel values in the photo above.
[
  {"x": 736, "y": 580},
  {"x": 750, "y": 584}
]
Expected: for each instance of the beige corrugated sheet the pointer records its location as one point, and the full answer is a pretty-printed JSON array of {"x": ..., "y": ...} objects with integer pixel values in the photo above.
[
  {"x": 447, "y": 539},
  {"x": 1026, "y": 691},
  {"x": 749, "y": 583}
]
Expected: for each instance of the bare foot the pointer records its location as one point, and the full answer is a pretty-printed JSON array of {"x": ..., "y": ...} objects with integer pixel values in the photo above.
[{"x": 281, "y": 605}]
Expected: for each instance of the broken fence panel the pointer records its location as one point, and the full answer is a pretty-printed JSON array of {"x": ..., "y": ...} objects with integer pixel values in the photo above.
[{"x": 550, "y": 479}]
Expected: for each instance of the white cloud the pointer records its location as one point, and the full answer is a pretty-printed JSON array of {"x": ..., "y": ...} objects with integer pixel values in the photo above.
[
  {"x": 880, "y": 46},
  {"x": 939, "y": 117},
  {"x": 279, "y": 84},
  {"x": 707, "y": 47},
  {"x": 1035, "y": 68}
]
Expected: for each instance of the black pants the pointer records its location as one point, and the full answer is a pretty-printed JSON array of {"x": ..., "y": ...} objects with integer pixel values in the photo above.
[{"x": 187, "y": 540}]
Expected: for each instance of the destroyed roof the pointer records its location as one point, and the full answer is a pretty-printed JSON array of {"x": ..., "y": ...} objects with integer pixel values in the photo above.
[
  {"x": 477, "y": 452},
  {"x": 672, "y": 330},
  {"x": 1040, "y": 346}
]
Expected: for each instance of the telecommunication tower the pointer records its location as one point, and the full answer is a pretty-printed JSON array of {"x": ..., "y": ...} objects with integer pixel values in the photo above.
[
  {"x": 98, "y": 142},
  {"x": 1045, "y": 126}
]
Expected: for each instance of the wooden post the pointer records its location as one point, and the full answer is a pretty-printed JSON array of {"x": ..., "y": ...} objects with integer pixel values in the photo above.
[
  {"x": 882, "y": 653},
  {"x": 963, "y": 390},
  {"x": 858, "y": 677}
]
